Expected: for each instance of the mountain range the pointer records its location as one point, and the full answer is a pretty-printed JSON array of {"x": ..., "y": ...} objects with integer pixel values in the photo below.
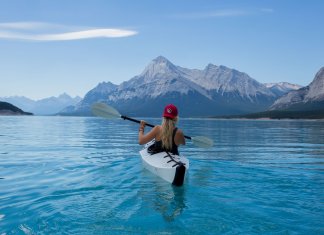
[
  {"x": 304, "y": 103},
  {"x": 214, "y": 90},
  {"x": 307, "y": 98},
  {"x": 47, "y": 106}
]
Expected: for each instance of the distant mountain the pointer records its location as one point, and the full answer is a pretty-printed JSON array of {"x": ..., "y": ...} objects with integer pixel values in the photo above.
[
  {"x": 307, "y": 98},
  {"x": 215, "y": 90},
  {"x": 9, "y": 109},
  {"x": 97, "y": 94},
  {"x": 282, "y": 88},
  {"x": 47, "y": 106}
]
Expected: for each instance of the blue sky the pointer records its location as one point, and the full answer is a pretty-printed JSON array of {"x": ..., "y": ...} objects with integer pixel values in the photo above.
[{"x": 50, "y": 47}]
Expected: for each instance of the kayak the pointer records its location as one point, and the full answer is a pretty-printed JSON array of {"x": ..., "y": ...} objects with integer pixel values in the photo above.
[{"x": 168, "y": 166}]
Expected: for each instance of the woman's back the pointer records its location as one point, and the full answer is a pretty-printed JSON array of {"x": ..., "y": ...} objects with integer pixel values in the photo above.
[{"x": 174, "y": 148}]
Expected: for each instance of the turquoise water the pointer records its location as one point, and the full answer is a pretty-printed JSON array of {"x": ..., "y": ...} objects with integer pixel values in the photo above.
[{"x": 75, "y": 175}]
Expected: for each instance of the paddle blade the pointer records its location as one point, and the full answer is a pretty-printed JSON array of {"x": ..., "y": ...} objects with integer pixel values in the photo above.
[
  {"x": 103, "y": 110},
  {"x": 202, "y": 141}
]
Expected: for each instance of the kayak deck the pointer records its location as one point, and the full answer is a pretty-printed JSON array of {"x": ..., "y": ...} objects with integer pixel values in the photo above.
[{"x": 169, "y": 167}]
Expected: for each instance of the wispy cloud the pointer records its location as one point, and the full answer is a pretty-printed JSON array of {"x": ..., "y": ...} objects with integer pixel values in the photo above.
[
  {"x": 40, "y": 31},
  {"x": 221, "y": 13}
]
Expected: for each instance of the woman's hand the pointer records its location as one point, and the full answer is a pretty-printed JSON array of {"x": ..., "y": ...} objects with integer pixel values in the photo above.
[{"x": 142, "y": 126}]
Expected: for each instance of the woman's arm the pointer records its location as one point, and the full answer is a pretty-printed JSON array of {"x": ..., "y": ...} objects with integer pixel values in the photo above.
[
  {"x": 145, "y": 138},
  {"x": 179, "y": 138}
]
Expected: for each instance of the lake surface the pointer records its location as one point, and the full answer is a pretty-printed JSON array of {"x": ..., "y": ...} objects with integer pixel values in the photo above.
[{"x": 78, "y": 175}]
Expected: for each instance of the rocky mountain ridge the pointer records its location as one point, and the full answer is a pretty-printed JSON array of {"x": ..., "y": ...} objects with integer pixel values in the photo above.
[{"x": 307, "y": 98}]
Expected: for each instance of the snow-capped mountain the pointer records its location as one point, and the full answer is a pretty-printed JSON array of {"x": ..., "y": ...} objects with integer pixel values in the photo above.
[
  {"x": 215, "y": 90},
  {"x": 158, "y": 78},
  {"x": 282, "y": 88},
  {"x": 222, "y": 80},
  {"x": 47, "y": 106},
  {"x": 307, "y": 98}
]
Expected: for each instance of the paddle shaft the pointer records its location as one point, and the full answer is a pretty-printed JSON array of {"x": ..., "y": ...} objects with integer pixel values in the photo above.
[{"x": 147, "y": 124}]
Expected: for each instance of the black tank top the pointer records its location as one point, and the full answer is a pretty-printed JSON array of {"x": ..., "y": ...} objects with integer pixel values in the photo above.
[{"x": 174, "y": 150}]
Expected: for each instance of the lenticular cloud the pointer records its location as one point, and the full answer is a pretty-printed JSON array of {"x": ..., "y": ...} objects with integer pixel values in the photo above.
[{"x": 37, "y": 31}]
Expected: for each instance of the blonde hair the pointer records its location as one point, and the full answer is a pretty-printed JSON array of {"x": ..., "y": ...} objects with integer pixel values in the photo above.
[{"x": 168, "y": 126}]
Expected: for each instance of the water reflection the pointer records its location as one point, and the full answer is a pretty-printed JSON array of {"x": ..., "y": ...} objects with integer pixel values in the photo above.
[{"x": 169, "y": 200}]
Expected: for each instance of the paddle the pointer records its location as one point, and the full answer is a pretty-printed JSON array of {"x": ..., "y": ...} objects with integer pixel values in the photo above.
[{"x": 106, "y": 111}]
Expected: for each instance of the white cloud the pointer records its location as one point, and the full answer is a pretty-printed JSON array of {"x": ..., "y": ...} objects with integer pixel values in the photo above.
[{"x": 39, "y": 31}]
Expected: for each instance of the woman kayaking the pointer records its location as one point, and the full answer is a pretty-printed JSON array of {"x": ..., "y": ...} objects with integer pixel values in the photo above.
[{"x": 167, "y": 136}]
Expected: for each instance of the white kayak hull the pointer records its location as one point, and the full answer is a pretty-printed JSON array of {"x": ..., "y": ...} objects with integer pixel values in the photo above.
[{"x": 169, "y": 167}]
